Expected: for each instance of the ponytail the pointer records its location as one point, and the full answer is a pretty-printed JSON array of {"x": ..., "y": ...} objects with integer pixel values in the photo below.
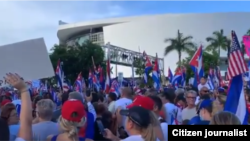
[
  {"x": 155, "y": 123},
  {"x": 148, "y": 134},
  {"x": 73, "y": 134},
  {"x": 154, "y": 120},
  {"x": 71, "y": 127}
]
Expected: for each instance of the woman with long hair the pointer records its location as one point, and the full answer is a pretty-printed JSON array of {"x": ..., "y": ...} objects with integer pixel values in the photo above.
[
  {"x": 138, "y": 125},
  {"x": 73, "y": 117},
  {"x": 225, "y": 118},
  {"x": 148, "y": 103}
]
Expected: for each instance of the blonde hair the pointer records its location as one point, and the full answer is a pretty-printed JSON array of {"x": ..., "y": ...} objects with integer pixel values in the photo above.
[
  {"x": 156, "y": 125},
  {"x": 225, "y": 118},
  {"x": 154, "y": 119},
  {"x": 71, "y": 127},
  {"x": 222, "y": 99},
  {"x": 215, "y": 108},
  {"x": 148, "y": 134}
]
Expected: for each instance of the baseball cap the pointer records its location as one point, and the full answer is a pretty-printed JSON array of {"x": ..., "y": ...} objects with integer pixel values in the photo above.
[
  {"x": 138, "y": 115},
  {"x": 142, "y": 101},
  {"x": 73, "y": 110},
  {"x": 205, "y": 104},
  {"x": 221, "y": 90},
  {"x": 6, "y": 101}
]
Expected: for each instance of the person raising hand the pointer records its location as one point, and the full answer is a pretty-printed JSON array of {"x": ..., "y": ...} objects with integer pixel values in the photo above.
[{"x": 25, "y": 131}]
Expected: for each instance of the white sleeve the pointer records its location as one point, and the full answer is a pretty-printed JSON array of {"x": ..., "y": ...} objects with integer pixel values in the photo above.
[{"x": 91, "y": 109}]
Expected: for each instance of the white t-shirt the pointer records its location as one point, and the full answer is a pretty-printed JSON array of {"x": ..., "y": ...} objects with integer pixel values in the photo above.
[
  {"x": 189, "y": 113},
  {"x": 134, "y": 138},
  {"x": 111, "y": 107},
  {"x": 200, "y": 86},
  {"x": 164, "y": 128},
  {"x": 91, "y": 109},
  {"x": 122, "y": 102},
  {"x": 171, "y": 112}
]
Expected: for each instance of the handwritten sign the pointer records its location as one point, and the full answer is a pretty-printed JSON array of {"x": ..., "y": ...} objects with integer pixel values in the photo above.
[
  {"x": 28, "y": 58},
  {"x": 246, "y": 41}
]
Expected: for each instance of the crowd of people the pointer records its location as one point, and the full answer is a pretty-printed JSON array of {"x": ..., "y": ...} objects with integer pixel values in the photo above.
[{"x": 138, "y": 115}]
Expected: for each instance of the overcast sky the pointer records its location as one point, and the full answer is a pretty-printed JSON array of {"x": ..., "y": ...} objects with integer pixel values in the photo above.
[{"x": 26, "y": 20}]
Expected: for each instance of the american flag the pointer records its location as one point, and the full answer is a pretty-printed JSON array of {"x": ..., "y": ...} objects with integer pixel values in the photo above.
[{"x": 236, "y": 63}]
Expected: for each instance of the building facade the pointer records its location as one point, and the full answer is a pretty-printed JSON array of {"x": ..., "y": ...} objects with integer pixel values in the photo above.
[{"x": 147, "y": 33}]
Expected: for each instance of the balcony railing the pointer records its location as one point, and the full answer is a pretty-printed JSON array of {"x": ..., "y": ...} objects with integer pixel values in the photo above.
[{"x": 96, "y": 38}]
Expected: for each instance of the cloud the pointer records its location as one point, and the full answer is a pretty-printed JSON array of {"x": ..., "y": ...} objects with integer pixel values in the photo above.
[{"x": 27, "y": 20}]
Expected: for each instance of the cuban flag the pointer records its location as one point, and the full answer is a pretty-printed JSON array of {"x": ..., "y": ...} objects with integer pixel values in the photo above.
[
  {"x": 177, "y": 78},
  {"x": 197, "y": 66},
  {"x": 66, "y": 87},
  {"x": 236, "y": 102},
  {"x": 107, "y": 81},
  {"x": 59, "y": 74},
  {"x": 115, "y": 87},
  {"x": 78, "y": 83},
  {"x": 183, "y": 80},
  {"x": 170, "y": 75},
  {"x": 156, "y": 75},
  {"x": 95, "y": 82},
  {"x": 148, "y": 66},
  {"x": 55, "y": 98},
  {"x": 101, "y": 78},
  {"x": 210, "y": 80},
  {"x": 90, "y": 81}
]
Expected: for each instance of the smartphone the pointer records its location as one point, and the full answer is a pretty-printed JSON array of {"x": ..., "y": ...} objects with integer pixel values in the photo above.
[{"x": 100, "y": 126}]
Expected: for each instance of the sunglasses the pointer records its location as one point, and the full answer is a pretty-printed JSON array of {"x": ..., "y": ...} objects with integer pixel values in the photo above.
[
  {"x": 191, "y": 97},
  {"x": 205, "y": 91}
]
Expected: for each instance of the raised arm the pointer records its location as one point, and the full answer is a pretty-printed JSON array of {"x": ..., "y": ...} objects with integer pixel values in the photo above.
[{"x": 25, "y": 131}]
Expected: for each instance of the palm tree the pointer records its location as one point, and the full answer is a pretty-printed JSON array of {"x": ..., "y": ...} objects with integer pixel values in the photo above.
[
  {"x": 180, "y": 44},
  {"x": 217, "y": 42}
]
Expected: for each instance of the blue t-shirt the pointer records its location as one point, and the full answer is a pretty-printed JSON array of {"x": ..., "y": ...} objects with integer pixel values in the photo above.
[{"x": 194, "y": 120}]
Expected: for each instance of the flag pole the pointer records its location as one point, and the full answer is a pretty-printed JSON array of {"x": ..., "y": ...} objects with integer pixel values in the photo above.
[{"x": 93, "y": 63}]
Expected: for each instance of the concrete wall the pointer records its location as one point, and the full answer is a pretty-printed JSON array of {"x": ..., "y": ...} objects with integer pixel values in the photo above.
[{"x": 149, "y": 33}]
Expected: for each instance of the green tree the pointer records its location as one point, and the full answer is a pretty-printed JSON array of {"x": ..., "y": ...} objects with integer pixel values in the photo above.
[
  {"x": 180, "y": 44},
  {"x": 217, "y": 42},
  {"x": 77, "y": 59},
  {"x": 139, "y": 65}
]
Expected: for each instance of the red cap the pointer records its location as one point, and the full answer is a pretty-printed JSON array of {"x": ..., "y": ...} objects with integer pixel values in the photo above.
[
  {"x": 73, "y": 110},
  {"x": 4, "y": 102},
  {"x": 143, "y": 101}
]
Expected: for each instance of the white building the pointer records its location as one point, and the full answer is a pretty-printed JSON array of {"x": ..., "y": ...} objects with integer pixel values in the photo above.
[{"x": 149, "y": 32}]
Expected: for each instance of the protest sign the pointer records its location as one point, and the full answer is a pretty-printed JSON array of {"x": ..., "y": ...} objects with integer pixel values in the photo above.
[{"x": 29, "y": 59}]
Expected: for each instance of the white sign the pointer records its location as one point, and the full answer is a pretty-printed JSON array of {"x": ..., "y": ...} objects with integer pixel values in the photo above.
[
  {"x": 29, "y": 59},
  {"x": 120, "y": 77}
]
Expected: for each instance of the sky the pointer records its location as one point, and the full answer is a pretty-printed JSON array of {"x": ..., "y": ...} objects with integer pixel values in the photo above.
[{"x": 22, "y": 20}]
